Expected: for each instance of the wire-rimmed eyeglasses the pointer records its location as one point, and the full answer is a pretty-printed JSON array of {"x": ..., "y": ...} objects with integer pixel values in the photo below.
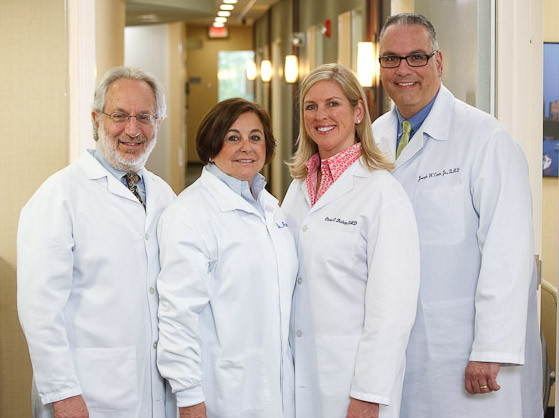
[{"x": 121, "y": 118}]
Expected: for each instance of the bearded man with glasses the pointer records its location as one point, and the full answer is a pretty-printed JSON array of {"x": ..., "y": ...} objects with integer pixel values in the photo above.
[
  {"x": 88, "y": 260},
  {"x": 474, "y": 350}
]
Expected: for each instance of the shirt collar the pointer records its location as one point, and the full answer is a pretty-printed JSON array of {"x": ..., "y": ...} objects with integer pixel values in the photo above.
[
  {"x": 416, "y": 120},
  {"x": 115, "y": 172},
  {"x": 240, "y": 187},
  {"x": 337, "y": 163}
]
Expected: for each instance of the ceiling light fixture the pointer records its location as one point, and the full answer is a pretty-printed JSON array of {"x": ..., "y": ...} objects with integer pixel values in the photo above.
[
  {"x": 224, "y": 13},
  {"x": 226, "y": 7}
]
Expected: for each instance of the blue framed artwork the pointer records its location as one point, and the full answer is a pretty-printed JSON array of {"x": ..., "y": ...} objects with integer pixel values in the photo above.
[{"x": 550, "y": 109}]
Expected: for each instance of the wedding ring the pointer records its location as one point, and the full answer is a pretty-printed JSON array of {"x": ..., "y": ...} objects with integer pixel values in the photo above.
[{"x": 484, "y": 387}]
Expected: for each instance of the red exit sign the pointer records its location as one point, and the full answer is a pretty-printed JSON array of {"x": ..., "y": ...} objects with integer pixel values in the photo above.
[{"x": 217, "y": 32}]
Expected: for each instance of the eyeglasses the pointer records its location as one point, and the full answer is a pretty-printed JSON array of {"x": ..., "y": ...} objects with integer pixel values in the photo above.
[
  {"x": 121, "y": 118},
  {"x": 413, "y": 60}
]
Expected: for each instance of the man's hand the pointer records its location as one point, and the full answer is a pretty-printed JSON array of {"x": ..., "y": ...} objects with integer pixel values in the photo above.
[
  {"x": 73, "y": 407},
  {"x": 194, "y": 411},
  {"x": 481, "y": 377},
  {"x": 361, "y": 409}
]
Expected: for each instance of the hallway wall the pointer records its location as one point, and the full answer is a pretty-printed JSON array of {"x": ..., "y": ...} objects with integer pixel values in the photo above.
[{"x": 34, "y": 142}]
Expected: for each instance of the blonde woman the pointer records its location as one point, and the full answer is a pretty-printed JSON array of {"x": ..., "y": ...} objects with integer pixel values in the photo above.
[{"x": 355, "y": 300}]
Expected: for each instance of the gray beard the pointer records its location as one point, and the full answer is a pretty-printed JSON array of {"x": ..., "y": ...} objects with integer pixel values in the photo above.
[{"x": 132, "y": 163}]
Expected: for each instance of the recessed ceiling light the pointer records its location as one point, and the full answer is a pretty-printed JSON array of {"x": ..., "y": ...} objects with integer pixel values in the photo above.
[
  {"x": 224, "y": 13},
  {"x": 149, "y": 18},
  {"x": 221, "y": 19},
  {"x": 226, "y": 7},
  {"x": 230, "y": 1}
]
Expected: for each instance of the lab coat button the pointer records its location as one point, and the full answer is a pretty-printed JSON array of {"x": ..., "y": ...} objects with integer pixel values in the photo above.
[
  {"x": 146, "y": 236},
  {"x": 155, "y": 344},
  {"x": 304, "y": 228},
  {"x": 300, "y": 280},
  {"x": 299, "y": 333},
  {"x": 151, "y": 290}
]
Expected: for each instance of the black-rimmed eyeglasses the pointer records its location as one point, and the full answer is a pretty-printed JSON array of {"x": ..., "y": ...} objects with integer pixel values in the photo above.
[
  {"x": 121, "y": 118},
  {"x": 413, "y": 60}
]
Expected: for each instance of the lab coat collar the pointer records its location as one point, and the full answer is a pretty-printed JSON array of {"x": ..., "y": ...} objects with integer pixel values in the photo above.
[
  {"x": 436, "y": 126},
  {"x": 94, "y": 170},
  {"x": 343, "y": 185},
  {"x": 437, "y": 122},
  {"x": 228, "y": 200}
]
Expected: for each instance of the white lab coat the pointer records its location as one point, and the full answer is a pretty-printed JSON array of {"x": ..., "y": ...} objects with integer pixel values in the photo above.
[
  {"x": 87, "y": 266},
  {"x": 225, "y": 287},
  {"x": 356, "y": 293},
  {"x": 468, "y": 182}
]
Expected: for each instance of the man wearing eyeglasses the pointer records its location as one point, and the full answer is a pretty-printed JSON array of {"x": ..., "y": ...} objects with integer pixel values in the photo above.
[
  {"x": 474, "y": 350},
  {"x": 88, "y": 260}
]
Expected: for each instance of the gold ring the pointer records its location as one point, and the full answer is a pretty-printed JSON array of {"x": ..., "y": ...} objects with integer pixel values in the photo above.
[{"x": 483, "y": 387}]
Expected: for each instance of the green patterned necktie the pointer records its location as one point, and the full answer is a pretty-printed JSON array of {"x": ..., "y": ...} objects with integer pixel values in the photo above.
[
  {"x": 406, "y": 129},
  {"x": 132, "y": 180}
]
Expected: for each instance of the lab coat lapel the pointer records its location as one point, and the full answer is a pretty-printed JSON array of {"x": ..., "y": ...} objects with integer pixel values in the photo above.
[
  {"x": 95, "y": 171},
  {"x": 386, "y": 137},
  {"x": 341, "y": 186},
  {"x": 435, "y": 126},
  {"x": 153, "y": 202},
  {"x": 226, "y": 199}
]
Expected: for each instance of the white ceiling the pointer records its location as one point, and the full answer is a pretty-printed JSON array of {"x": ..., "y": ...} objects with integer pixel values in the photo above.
[{"x": 197, "y": 12}]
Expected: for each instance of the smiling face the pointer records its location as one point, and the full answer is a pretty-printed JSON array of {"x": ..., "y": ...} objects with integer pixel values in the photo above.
[
  {"x": 411, "y": 88},
  {"x": 243, "y": 153},
  {"x": 127, "y": 147},
  {"x": 329, "y": 118}
]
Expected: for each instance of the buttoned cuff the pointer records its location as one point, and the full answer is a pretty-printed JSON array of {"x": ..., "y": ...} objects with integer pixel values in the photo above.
[{"x": 189, "y": 397}]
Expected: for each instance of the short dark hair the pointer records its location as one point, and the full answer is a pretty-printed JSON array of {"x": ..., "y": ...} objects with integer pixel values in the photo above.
[
  {"x": 412, "y": 19},
  {"x": 211, "y": 132}
]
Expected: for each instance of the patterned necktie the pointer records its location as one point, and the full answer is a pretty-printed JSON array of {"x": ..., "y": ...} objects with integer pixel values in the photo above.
[
  {"x": 132, "y": 180},
  {"x": 406, "y": 129}
]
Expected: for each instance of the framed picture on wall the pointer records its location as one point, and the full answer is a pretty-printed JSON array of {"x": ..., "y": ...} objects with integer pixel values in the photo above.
[{"x": 550, "y": 158}]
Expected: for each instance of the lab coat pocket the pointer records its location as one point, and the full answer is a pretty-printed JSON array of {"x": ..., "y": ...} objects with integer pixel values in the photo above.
[
  {"x": 338, "y": 246},
  {"x": 336, "y": 363},
  {"x": 441, "y": 215},
  {"x": 108, "y": 377},
  {"x": 241, "y": 384},
  {"x": 449, "y": 327}
]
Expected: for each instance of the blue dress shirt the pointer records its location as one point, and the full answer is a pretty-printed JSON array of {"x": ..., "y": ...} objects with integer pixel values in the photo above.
[
  {"x": 416, "y": 120},
  {"x": 241, "y": 187},
  {"x": 119, "y": 174}
]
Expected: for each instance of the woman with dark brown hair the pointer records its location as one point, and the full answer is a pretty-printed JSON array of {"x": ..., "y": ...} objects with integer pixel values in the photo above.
[{"x": 228, "y": 267}]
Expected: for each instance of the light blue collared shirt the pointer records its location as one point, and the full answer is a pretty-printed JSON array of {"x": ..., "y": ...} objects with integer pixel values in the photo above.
[
  {"x": 241, "y": 187},
  {"x": 416, "y": 120},
  {"x": 119, "y": 174}
]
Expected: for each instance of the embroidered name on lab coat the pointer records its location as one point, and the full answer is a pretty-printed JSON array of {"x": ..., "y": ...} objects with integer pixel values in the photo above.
[
  {"x": 436, "y": 174},
  {"x": 281, "y": 225},
  {"x": 340, "y": 221}
]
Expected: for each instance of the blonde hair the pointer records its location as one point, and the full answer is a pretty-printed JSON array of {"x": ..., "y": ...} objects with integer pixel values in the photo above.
[{"x": 372, "y": 156}]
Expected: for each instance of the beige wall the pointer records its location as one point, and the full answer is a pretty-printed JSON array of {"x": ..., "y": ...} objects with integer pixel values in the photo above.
[
  {"x": 34, "y": 143},
  {"x": 201, "y": 63},
  {"x": 109, "y": 34}
]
